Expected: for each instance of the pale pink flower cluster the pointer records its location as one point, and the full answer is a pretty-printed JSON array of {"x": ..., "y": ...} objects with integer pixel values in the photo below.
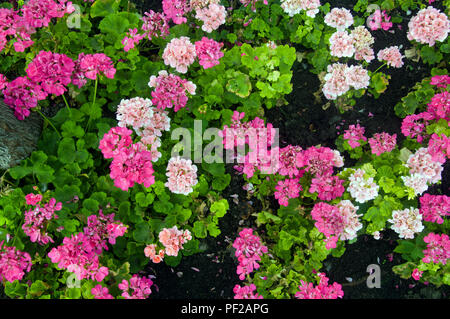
[
  {"x": 150, "y": 252},
  {"x": 175, "y": 10},
  {"x": 173, "y": 239},
  {"x": 132, "y": 163},
  {"x": 438, "y": 248},
  {"x": 341, "y": 44},
  {"x": 380, "y": 20},
  {"x": 339, "y": 18},
  {"x": 147, "y": 122},
  {"x": 198, "y": 4},
  {"x": 179, "y": 54},
  {"x": 327, "y": 187},
  {"x": 52, "y": 71},
  {"x": 170, "y": 90},
  {"x": 246, "y": 292},
  {"x": 139, "y": 287},
  {"x": 212, "y": 16},
  {"x": 422, "y": 163},
  {"x": 249, "y": 250},
  {"x": 340, "y": 78},
  {"x": 293, "y": 7},
  {"x": 362, "y": 188},
  {"x": 286, "y": 189},
  {"x": 89, "y": 66},
  {"x": 434, "y": 207},
  {"x": 322, "y": 291},
  {"x": 208, "y": 52},
  {"x": 392, "y": 56},
  {"x": 354, "y": 135},
  {"x": 406, "y": 222},
  {"x": 13, "y": 263},
  {"x": 428, "y": 26},
  {"x": 100, "y": 292},
  {"x": 80, "y": 253},
  {"x": 336, "y": 221},
  {"x": 382, "y": 143},
  {"x": 362, "y": 41},
  {"x": 37, "y": 219},
  {"x": 417, "y": 182},
  {"x": 181, "y": 175}
]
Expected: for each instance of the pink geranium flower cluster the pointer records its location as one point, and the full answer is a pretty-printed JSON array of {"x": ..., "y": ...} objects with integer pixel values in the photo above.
[
  {"x": 37, "y": 219},
  {"x": 212, "y": 16},
  {"x": 322, "y": 291},
  {"x": 284, "y": 190},
  {"x": 90, "y": 66},
  {"x": 416, "y": 274},
  {"x": 288, "y": 161},
  {"x": 382, "y": 143},
  {"x": 175, "y": 10},
  {"x": 392, "y": 56},
  {"x": 362, "y": 41},
  {"x": 13, "y": 263},
  {"x": 173, "y": 239},
  {"x": 428, "y": 26},
  {"x": 100, "y": 292},
  {"x": 246, "y": 292},
  {"x": 147, "y": 122},
  {"x": 319, "y": 161},
  {"x": 80, "y": 253},
  {"x": 380, "y": 20},
  {"x": 422, "y": 163},
  {"x": 439, "y": 106},
  {"x": 354, "y": 135},
  {"x": 155, "y": 25},
  {"x": 406, "y": 222},
  {"x": 341, "y": 44},
  {"x": 438, "y": 248},
  {"x": 439, "y": 147},
  {"x": 249, "y": 250},
  {"x": 413, "y": 126},
  {"x": 132, "y": 163},
  {"x": 339, "y": 18},
  {"x": 293, "y": 7},
  {"x": 3, "y": 82},
  {"x": 170, "y": 90},
  {"x": 340, "y": 78},
  {"x": 441, "y": 81},
  {"x": 327, "y": 187},
  {"x": 139, "y": 287},
  {"x": 20, "y": 25},
  {"x": 181, "y": 175},
  {"x": 179, "y": 54},
  {"x": 208, "y": 52},
  {"x": 52, "y": 71},
  {"x": 336, "y": 221},
  {"x": 434, "y": 207},
  {"x": 21, "y": 94}
]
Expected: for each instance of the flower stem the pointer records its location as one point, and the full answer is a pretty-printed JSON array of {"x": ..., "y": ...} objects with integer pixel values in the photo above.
[
  {"x": 48, "y": 121},
  {"x": 379, "y": 68},
  {"x": 93, "y": 102},
  {"x": 67, "y": 105}
]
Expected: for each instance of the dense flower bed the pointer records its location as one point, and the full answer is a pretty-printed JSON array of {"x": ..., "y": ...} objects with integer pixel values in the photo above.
[{"x": 112, "y": 188}]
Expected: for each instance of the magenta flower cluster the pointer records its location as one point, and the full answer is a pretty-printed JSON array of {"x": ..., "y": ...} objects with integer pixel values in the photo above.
[
  {"x": 13, "y": 263},
  {"x": 434, "y": 207},
  {"x": 170, "y": 91},
  {"x": 438, "y": 248},
  {"x": 136, "y": 288},
  {"x": 132, "y": 163},
  {"x": 80, "y": 253},
  {"x": 322, "y": 291},
  {"x": 37, "y": 219},
  {"x": 246, "y": 292},
  {"x": 249, "y": 250}
]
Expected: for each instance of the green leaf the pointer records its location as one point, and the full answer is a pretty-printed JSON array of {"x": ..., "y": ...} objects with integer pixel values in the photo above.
[
  {"x": 142, "y": 233},
  {"x": 199, "y": 229},
  {"x": 102, "y": 8}
]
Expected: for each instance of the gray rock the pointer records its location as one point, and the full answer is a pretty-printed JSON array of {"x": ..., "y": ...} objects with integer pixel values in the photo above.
[{"x": 18, "y": 139}]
